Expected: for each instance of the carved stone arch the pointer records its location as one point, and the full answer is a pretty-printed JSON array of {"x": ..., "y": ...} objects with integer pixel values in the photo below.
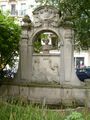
[
  {"x": 32, "y": 36},
  {"x": 47, "y": 18},
  {"x": 40, "y": 30}
]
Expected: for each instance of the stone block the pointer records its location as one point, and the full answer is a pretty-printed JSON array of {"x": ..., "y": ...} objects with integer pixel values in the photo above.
[
  {"x": 13, "y": 90},
  {"x": 79, "y": 96},
  {"x": 24, "y": 91},
  {"x": 47, "y": 95},
  {"x": 3, "y": 90}
]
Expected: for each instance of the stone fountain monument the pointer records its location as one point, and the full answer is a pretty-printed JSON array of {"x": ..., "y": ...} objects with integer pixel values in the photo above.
[
  {"x": 47, "y": 18},
  {"x": 47, "y": 77}
]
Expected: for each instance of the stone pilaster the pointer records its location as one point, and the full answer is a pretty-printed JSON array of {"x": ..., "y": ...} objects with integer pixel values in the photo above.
[
  {"x": 29, "y": 62},
  {"x": 68, "y": 54},
  {"x": 62, "y": 66},
  {"x": 23, "y": 55},
  {"x": 70, "y": 75}
]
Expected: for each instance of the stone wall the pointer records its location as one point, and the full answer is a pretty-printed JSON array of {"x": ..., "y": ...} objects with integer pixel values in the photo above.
[{"x": 49, "y": 94}]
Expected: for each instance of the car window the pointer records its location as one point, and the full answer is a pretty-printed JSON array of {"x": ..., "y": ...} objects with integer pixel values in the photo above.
[
  {"x": 88, "y": 69},
  {"x": 81, "y": 70}
]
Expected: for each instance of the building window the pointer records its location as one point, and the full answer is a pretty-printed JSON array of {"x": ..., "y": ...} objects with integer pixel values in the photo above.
[
  {"x": 13, "y": 9},
  {"x": 23, "y": 8},
  {"x": 3, "y": 7},
  {"x": 79, "y": 62},
  {"x": 12, "y": 0}
]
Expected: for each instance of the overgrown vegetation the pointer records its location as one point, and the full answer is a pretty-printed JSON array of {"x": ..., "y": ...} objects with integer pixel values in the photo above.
[
  {"x": 75, "y": 116},
  {"x": 20, "y": 111}
]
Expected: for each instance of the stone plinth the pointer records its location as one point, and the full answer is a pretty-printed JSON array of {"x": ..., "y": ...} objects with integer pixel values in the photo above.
[{"x": 45, "y": 93}]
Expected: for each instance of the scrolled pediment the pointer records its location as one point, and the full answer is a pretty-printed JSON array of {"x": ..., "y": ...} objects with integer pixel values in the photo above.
[{"x": 45, "y": 15}]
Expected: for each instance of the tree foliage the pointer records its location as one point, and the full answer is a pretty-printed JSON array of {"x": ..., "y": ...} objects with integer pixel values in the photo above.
[
  {"x": 80, "y": 12},
  {"x": 9, "y": 40}
]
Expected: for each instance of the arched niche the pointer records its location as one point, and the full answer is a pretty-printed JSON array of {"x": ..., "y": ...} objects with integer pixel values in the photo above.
[
  {"x": 47, "y": 31},
  {"x": 47, "y": 18},
  {"x": 45, "y": 64}
]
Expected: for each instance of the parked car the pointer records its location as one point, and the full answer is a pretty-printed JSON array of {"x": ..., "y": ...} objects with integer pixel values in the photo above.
[{"x": 83, "y": 73}]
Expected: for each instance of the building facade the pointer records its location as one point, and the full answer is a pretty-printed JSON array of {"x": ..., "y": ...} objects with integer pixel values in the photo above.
[
  {"x": 82, "y": 58},
  {"x": 17, "y": 8}
]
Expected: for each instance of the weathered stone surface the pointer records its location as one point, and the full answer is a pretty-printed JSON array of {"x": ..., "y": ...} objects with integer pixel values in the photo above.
[
  {"x": 3, "y": 90},
  {"x": 87, "y": 93},
  {"x": 24, "y": 91},
  {"x": 13, "y": 91},
  {"x": 47, "y": 95},
  {"x": 46, "y": 16},
  {"x": 52, "y": 94},
  {"x": 79, "y": 96},
  {"x": 47, "y": 69}
]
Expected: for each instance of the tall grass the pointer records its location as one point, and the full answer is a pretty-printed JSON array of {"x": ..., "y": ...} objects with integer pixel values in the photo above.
[
  {"x": 11, "y": 111},
  {"x": 27, "y": 112}
]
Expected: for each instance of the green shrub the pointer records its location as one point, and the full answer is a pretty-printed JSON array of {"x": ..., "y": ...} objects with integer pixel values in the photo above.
[{"x": 75, "y": 116}]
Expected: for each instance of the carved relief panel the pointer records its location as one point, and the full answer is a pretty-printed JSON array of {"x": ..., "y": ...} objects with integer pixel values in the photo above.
[{"x": 46, "y": 16}]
